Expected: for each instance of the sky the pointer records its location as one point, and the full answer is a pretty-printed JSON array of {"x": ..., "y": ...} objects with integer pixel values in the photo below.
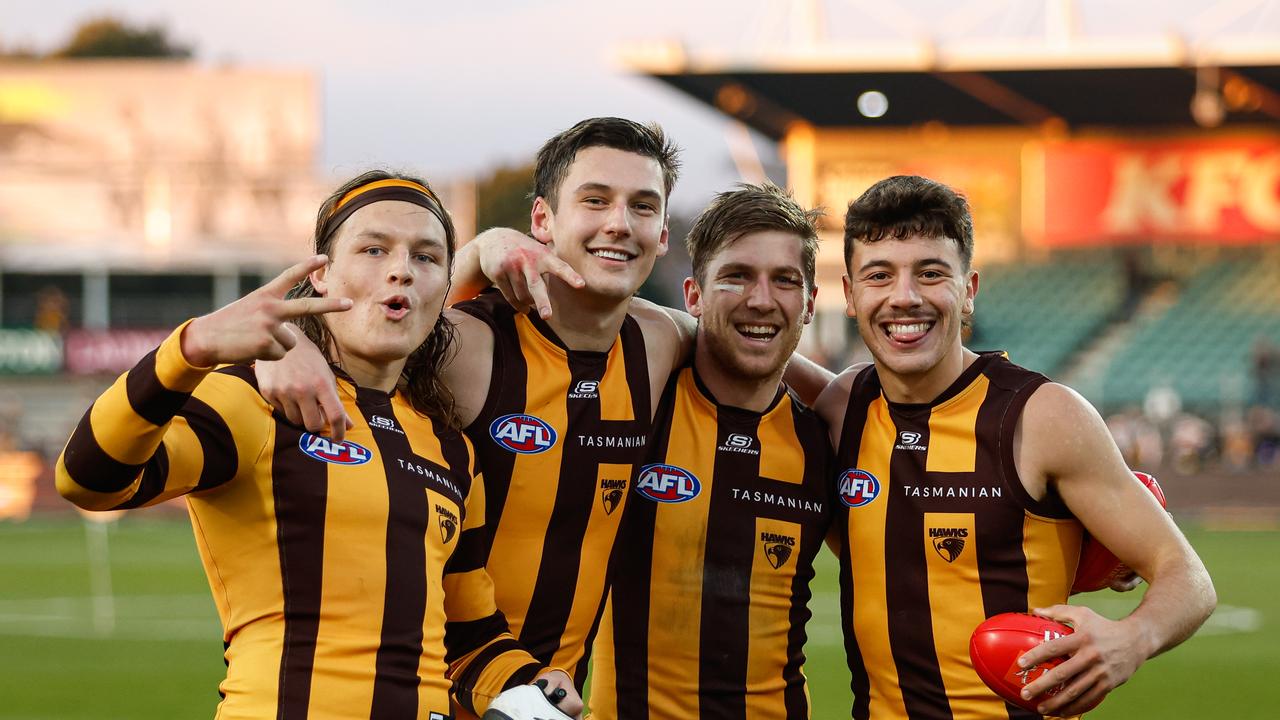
[{"x": 453, "y": 89}]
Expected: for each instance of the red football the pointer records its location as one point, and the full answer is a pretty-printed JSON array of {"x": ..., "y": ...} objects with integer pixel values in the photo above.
[
  {"x": 1098, "y": 566},
  {"x": 997, "y": 644}
]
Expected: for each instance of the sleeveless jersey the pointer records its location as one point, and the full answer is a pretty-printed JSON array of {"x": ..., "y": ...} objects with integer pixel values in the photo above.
[
  {"x": 709, "y": 602},
  {"x": 939, "y": 534},
  {"x": 558, "y": 438}
]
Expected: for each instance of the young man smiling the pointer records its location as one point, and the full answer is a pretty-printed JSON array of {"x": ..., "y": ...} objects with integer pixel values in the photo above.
[
  {"x": 710, "y": 599},
  {"x": 936, "y": 441}
]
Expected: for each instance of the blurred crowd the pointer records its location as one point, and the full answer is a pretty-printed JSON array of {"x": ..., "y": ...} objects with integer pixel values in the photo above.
[{"x": 1162, "y": 434}]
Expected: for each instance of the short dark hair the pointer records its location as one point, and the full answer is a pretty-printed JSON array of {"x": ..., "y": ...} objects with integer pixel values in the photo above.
[
  {"x": 424, "y": 388},
  {"x": 557, "y": 154},
  {"x": 905, "y": 205},
  {"x": 747, "y": 209}
]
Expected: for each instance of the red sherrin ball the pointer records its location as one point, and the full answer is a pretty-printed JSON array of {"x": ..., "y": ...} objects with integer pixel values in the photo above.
[
  {"x": 996, "y": 645},
  {"x": 1098, "y": 566}
]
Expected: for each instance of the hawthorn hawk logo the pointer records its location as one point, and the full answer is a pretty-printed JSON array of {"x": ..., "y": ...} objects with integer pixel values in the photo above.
[
  {"x": 948, "y": 542},
  {"x": 448, "y": 523},
  {"x": 611, "y": 494},
  {"x": 777, "y": 548}
]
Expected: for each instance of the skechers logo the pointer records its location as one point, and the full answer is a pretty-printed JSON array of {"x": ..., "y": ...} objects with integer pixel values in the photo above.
[
  {"x": 667, "y": 484},
  {"x": 524, "y": 434},
  {"x": 777, "y": 548},
  {"x": 448, "y": 523},
  {"x": 384, "y": 423},
  {"x": 857, "y": 487},
  {"x": 338, "y": 453},
  {"x": 948, "y": 542},
  {"x": 908, "y": 440},
  {"x": 585, "y": 390},
  {"x": 738, "y": 443},
  {"x": 611, "y": 494}
]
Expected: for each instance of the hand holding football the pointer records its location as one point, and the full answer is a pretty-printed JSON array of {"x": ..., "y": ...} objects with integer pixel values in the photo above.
[{"x": 998, "y": 642}]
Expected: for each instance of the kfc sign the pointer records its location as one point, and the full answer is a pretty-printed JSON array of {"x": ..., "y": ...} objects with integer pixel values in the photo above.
[{"x": 1223, "y": 191}]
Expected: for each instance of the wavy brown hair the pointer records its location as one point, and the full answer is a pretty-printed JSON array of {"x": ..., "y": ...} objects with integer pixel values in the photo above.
[
  {"x": 747, "y": 209},
  {"x": 420, "y": 379}
]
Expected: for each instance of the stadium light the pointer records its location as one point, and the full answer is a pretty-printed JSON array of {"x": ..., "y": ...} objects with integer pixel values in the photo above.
[
  {"x": 1207, "y": 107},
  {"x": 873, "y": 104}
]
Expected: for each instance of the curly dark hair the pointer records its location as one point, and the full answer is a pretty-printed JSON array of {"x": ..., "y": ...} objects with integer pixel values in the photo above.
[
  {"x": 423, "y": 386},
  {"x": 905, "y": 205}
]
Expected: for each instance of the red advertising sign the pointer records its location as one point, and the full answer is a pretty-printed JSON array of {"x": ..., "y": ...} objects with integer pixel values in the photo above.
[
  {"x": 109, "y": 351},
  {"x": 1085, "y": 192}
]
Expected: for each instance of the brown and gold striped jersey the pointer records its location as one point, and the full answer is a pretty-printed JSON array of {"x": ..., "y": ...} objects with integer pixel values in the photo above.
[
  {"x": 557, "y": 439},
  {"x": 710, "y": 596},
  {"x": 341, "y": 572},
  {"x": 939, "y": 534}
]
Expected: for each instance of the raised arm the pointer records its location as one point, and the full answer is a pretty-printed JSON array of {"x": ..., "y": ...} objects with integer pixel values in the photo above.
[
  {"x": 515, "y": 263},
  {"x": 168, "y": 427},
  {"x": 1063, "y": 440}
]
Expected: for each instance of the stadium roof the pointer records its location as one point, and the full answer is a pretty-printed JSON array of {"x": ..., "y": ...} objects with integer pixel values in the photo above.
[{"x": 1111, "y": 82}]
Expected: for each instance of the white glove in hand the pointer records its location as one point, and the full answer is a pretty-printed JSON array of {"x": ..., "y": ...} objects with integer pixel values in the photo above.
[{"x": 524, "y": 702}]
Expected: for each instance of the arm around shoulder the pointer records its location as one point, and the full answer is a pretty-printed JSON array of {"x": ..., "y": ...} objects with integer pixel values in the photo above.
[{"x": 833, "y": 401}]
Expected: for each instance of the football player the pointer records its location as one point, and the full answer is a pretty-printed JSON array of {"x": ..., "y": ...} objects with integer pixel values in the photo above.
[
  {"x": 338, "y": 568},
  {"x": 965, "y": 482},
  {"x": 710, "y": 596}
]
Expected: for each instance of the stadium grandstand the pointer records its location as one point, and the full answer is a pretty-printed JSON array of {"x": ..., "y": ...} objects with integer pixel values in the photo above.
[{"x": 1125, "y": 189}]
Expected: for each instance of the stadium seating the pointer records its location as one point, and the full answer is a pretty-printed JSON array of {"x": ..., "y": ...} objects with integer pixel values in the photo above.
[
  {"x": 1202, "y": 344},
  {"x": 1043, "y": 313}
]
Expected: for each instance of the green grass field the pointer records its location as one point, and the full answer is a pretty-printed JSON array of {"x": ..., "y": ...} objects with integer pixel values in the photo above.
[{"x": 162, "y": 655}]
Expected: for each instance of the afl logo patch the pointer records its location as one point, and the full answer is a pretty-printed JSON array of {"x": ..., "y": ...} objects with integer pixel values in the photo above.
[
  {"x": 667, "y": 484},
  {"x": 857, "y": 487},
  {"x": 524, "y": 434},
  {"x": 338, "y": 453}
]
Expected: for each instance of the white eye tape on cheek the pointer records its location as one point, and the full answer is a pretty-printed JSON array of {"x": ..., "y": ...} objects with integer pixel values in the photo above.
[{"x": 736, "y": 288}]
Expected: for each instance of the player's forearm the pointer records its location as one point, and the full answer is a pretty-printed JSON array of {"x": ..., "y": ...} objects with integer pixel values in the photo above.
[
  {"x": 807, "y": 378},
  {"x": 118, "y": 440},
  {"x": 1180, "y": 598},
  {"x": 482, "y": 674},
  {"x": 468, "y": 279}
]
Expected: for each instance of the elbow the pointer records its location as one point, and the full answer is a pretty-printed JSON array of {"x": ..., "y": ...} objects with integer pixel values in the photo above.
[
  {"x": 79, "y": 495},
  {"x": 68, "y": 488},
  {"x": 1210, "y": 596}
]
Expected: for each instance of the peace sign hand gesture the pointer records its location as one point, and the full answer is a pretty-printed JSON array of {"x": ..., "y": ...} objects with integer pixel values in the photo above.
[{"x": 255, "y": 327}]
